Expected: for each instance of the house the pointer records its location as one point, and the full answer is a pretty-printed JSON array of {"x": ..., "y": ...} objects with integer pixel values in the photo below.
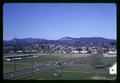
[
  {"x": 8, "y": 59},
  {"x": 19, "y": 51},
  {"x": 11, "y": 51},
  {"x": 75, "y": 51},
  {"x": 110, "y": 54},
  {"x": 84, "y": 51},
  {"x": 113, "y": 69},
  {"x": 19, "y": 58}
]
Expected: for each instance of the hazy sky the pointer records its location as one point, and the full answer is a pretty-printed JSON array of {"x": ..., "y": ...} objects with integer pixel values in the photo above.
[{"x": 56, "y": 20}]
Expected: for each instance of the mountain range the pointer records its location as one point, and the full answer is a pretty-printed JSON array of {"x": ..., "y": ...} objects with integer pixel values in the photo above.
[{"x": 63, "y": 41}]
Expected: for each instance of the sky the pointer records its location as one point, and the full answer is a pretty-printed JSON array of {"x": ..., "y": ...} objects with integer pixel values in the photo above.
[{"x": 56, "y": 20}]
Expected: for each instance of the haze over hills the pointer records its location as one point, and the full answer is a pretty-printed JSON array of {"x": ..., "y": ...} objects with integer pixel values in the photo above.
[{"x": 63, "y": 40}]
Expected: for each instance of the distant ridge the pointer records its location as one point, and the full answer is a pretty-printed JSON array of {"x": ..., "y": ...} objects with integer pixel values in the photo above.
[
  {"x": 63, "y": 40},
  {"x": 66, "y": 38}
]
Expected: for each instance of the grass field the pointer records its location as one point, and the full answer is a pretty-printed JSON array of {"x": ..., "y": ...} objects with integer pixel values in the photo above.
[
  {"x": 69, "y": 73},
  {"x": 109, "y": 60},
  {"x": 27, "y": 62},
  {"x": 63, "y": 73},
  {"x": 10, "y": 67}
]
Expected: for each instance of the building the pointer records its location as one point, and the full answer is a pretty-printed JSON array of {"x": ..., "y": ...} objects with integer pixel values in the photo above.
[
  {"x": 18, "y": 58},
  {"x": 19, "y": 51},
  {"x": 75, "y": 51},
  {"x": 113, "y": 69},
  {"x": 84, "y": 51},
  {"x": 11, "y": 51},
  {"x": 110, "y": 54},
  {"x": 8, "y": 59}
]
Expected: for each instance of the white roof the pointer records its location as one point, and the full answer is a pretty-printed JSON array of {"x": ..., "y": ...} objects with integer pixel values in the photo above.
[{"x": 112, "y": 52}]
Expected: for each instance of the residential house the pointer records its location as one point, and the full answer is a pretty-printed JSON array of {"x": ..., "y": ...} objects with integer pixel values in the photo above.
[
  {"x": 75, "y": 51},
  {"x": 84, "y": 51},
  {"x": 110, "y": 54}
]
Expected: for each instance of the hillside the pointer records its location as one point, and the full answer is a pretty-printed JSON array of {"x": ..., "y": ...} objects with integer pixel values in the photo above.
[{"x": 64, "y": 40}]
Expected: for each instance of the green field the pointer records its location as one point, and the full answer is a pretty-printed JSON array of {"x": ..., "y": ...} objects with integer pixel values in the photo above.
[
  {"x": 10, "y": 67},
  {"x": 27, "y": 62},
  {"x": 109, "y": 60},
  {"x": 69, "y": 73},
  {"x": 63, "y": 73}
]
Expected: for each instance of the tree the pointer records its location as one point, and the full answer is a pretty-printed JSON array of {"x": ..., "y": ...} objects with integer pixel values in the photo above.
[{"x": 113, "y": 43}]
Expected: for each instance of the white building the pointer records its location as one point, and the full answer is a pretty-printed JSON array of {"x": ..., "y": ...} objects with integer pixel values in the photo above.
[
  {"x": 18, "y": 58},
  {"x": 7, "y": 59},
  {"x": 113, "y": 69},
  {"x": 110, "y": 54},
  {"x": 75, "y": 51},
  {"x": 19, "y": 51},
  {"x": 83, "y": 51}
]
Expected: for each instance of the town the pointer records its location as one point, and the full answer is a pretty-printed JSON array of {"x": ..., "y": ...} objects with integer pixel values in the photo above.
[
  {"x": 63, "y": 45},
  {"x": 46, "y": 48}
]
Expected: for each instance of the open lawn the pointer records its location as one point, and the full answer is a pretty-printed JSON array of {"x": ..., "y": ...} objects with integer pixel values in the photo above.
[
  {"x": 11, "y": 67},
  {"x": 64, "y": 73},
  {"x": 70, "y": 73},
  {"x": 27, "y": 62},
  {"x": 109, "y": 60}
]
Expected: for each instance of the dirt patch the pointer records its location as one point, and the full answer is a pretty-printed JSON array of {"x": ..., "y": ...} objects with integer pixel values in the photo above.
[{"x": 99, "y": 78}]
